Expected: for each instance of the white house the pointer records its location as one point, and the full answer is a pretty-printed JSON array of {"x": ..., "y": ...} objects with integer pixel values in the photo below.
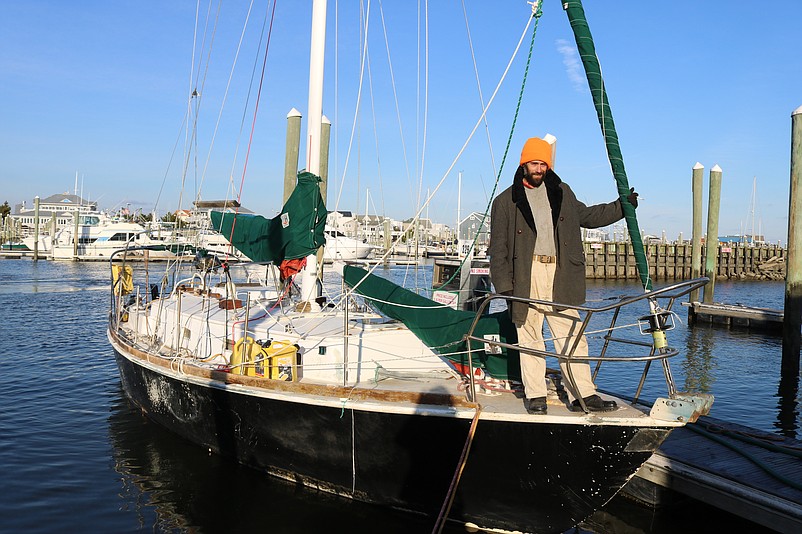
[{"x": 63, "y": 206}]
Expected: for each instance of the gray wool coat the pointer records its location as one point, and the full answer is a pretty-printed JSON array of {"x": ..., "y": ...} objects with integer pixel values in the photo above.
[{"x": 513, "y": 236}]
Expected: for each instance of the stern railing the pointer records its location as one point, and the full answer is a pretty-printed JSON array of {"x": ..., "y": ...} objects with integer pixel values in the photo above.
[{"x": 658, "y": 320}]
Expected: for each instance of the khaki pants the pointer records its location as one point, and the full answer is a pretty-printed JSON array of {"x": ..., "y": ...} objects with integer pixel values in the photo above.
[{"x": 563, "y": 326}]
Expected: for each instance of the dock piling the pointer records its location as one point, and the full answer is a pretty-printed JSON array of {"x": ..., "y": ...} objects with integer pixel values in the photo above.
[
  {"x": 792, "y": 317},
  {"x": 53, "y": 230},
  {"x": 696, "y": 237},
  {"x": 292, "y": 150},
  {"x": 325, "y": 138},
  {"x": 75, "y": 237},
  {"x": 36, "y": 228},
  {"x": 711, "y": 241}
]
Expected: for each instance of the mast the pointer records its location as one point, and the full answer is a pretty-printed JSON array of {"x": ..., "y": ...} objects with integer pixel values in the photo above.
[
  {"x": 310, "y": 288},
  {"x": 427, "y": 225},
  {"x": 459, "y": 202}
]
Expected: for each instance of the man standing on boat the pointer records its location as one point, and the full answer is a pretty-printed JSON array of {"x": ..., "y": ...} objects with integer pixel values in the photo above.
[{"x": 536, "y": 252}]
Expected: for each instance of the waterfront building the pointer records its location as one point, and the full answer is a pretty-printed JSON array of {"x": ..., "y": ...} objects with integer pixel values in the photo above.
[{"x": 62, "y": 206}]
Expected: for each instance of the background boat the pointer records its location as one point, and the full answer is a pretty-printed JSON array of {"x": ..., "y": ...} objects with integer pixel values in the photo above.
[{"x": 340, "y": 247}]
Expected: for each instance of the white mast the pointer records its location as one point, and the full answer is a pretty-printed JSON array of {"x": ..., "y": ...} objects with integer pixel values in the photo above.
[
  {"x": 428, "y": 224},
  {"x": 309, "y": 284},
  {"x": 367, "y": 197},
  {"x": 459, "y": 207}
]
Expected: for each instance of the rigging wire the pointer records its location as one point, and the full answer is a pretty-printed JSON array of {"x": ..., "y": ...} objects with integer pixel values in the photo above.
[
  {"x": 253, "y": 122},
  {"x": 375, "y": 137},
  {"x": 170, "y": 162},
  {"x": 425, "y": 104},
  {"x": 196, "y": 95},
  {"x": 225, "y": 98},
  {"x": 231, "y": 185},
  {"x": 535, "y": 16},
  {"x": 356, "y": 112},
  {"x": 395, "y": 99},
  {"x": 415, "y": 223},
  {"x": 481, "y": 97}
]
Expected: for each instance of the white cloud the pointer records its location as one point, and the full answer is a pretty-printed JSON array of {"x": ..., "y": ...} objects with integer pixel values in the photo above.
[{"x": 573, "y": 65}]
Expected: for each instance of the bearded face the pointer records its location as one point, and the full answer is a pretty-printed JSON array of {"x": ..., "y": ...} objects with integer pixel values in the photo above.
[{"x": 535, "y": 170}]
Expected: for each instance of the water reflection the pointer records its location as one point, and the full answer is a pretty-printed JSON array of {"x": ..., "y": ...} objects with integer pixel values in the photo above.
[
  {"x": 788, "y": 406},
  {"x": 699, "y": 363},
  {"x": 169, "y": 484}
]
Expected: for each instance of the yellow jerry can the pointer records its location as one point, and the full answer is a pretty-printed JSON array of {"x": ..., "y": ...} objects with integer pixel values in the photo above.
[
  {"x": 284, "y": 361},
  {"x": 123, "y": 279},
  {"x": 248, "y": 357}
]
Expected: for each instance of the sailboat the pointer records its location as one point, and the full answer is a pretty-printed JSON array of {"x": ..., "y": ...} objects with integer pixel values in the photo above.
[{"x": 377, "y": 394}]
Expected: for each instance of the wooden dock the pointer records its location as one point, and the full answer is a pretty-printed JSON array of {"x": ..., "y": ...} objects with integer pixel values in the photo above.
[
  {"x": 724, "y": 465},
  {"x": 735, "y": 315},
  {"x": 672, "y": 261}
]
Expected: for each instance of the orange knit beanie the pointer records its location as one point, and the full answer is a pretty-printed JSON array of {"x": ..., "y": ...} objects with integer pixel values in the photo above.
[{"x": 536, "y": 149}]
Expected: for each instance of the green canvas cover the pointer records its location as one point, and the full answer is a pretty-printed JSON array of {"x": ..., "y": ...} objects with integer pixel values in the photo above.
[
  {"x": 296, "y": 232},
  {"x": 587, "y": 51},
  {"x": 441, "y": 328}
]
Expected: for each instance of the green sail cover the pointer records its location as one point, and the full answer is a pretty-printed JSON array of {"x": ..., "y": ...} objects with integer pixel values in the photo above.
[
  {"x": 441, "y": 328},
  {"x": 295, "y": 233},
  {"x": 587, "y": 51}
]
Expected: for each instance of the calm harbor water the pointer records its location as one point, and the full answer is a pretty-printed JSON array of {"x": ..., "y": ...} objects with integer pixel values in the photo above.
[{"x": 76, "y": 457}]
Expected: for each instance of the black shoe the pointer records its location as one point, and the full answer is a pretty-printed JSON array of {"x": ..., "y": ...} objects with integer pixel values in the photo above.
[
  {"x": 536, "y": 406},
  {"x": 594, "y": 404}
]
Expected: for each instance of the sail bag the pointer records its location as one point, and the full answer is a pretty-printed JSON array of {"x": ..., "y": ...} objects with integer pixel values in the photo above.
[{"x": 296, "y": 232}]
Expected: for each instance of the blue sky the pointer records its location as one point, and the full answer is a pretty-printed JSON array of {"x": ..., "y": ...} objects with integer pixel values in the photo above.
[{"x": 100, "y": 89}]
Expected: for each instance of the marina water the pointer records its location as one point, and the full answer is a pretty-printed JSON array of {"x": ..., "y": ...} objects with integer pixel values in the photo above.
[{"x": 76, "y": 456}]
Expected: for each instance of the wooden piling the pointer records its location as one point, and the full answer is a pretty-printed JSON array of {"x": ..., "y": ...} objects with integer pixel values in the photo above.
[
  {"x": 53, "y": 230},
  {"x": 36, "y": 228},
  {"x": 792, "y": 316},
  {"x": 711, "y": 241},
  {"x": 291, "y": 154},
  {"x": 325, "y": 136},
  {"x": 388, "y": 237},
  {"x": 75, "y": 237},
  {"x": 696, "y": 237}
]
